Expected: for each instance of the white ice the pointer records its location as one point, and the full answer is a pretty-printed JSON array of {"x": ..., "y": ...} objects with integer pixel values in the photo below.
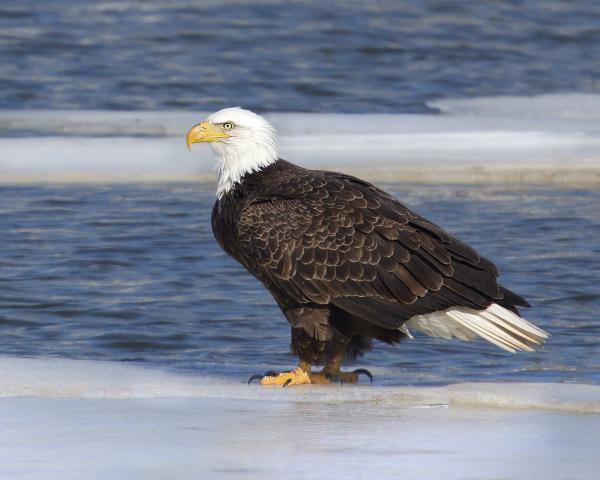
[
  {"x": 469, "y": 139},
  {"x": 64, "y": 419}
]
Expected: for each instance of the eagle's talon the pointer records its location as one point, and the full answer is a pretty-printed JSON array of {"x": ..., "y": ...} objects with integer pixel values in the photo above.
[
  {"x": 254, "y": 377},
  {"x": 364, "y": 371}
]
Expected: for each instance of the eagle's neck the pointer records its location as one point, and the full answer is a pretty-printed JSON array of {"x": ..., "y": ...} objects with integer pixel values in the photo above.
[{"x": 241, "y": 157}]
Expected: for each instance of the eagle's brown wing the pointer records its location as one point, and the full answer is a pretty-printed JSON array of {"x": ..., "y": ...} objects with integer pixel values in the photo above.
[{"x": 331, "y": 238}]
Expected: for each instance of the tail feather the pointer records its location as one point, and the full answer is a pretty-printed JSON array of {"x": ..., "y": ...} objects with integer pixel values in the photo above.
[{"x": 496, "y": 324}]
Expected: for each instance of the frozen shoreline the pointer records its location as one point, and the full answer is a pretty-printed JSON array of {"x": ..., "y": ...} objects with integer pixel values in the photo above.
[
  {"x": 54, "y": 378},
  {"x": 66, "y": 419},
  {"x": 548, "y": 139}
]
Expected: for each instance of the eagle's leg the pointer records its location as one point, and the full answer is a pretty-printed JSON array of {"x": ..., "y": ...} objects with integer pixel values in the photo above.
[{"x": 313, "y": 351}]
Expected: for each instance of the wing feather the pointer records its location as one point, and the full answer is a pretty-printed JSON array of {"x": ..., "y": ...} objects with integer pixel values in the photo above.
[{"x": 330, "y": 238}]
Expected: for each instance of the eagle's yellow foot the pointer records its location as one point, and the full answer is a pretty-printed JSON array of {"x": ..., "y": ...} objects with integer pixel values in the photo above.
[
  {"x": 324, "y": 377},
  {"x": 298, "y": 376}
]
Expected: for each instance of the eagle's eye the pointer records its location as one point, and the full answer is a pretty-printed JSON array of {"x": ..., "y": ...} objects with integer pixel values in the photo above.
[{"x": 228, "y": 125}]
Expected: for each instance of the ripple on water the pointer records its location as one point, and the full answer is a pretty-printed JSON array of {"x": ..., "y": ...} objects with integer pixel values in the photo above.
[
  {"x": 100, "y": 283},
  {"x": 308, "y": 56}
]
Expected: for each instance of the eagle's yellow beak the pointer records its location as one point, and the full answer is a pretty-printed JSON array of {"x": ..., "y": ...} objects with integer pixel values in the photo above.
[{"x": 204, "y": 132}]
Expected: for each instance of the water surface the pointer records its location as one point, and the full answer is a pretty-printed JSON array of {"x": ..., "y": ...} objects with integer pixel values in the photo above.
[
  {"x": 132, "y": 273},
  {"x": 301, "y": 55}
]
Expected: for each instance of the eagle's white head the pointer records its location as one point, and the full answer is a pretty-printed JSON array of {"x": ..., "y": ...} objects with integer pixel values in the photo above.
[{"x": 243, "y": 141}]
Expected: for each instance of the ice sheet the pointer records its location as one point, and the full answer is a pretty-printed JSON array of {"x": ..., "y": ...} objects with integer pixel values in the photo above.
[
  {"x": 549, "y": 138},
  {"x": 62, "y": 378},
  {"x": 64, "y": 419},
  {"x": 571, "y": 106}
]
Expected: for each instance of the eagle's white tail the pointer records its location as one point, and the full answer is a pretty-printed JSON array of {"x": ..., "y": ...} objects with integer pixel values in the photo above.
[{"x": 496, "y": 324}]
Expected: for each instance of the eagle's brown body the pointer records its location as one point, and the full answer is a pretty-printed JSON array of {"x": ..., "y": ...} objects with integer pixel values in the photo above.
[{"x": 345, "y": 261}]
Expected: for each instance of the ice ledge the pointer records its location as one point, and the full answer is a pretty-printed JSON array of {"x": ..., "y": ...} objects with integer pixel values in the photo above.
[
  {"x": 61, "y": 378},
  {"x": 551, "y": 139}
]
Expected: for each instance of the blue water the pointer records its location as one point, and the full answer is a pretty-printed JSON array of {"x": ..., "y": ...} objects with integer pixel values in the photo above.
[
  {"x": 321, "y": 55},
  {"x": 132, "y": 273}
]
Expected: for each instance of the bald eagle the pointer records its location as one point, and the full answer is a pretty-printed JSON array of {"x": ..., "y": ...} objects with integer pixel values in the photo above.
[{"x": 345, "y": 261}]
